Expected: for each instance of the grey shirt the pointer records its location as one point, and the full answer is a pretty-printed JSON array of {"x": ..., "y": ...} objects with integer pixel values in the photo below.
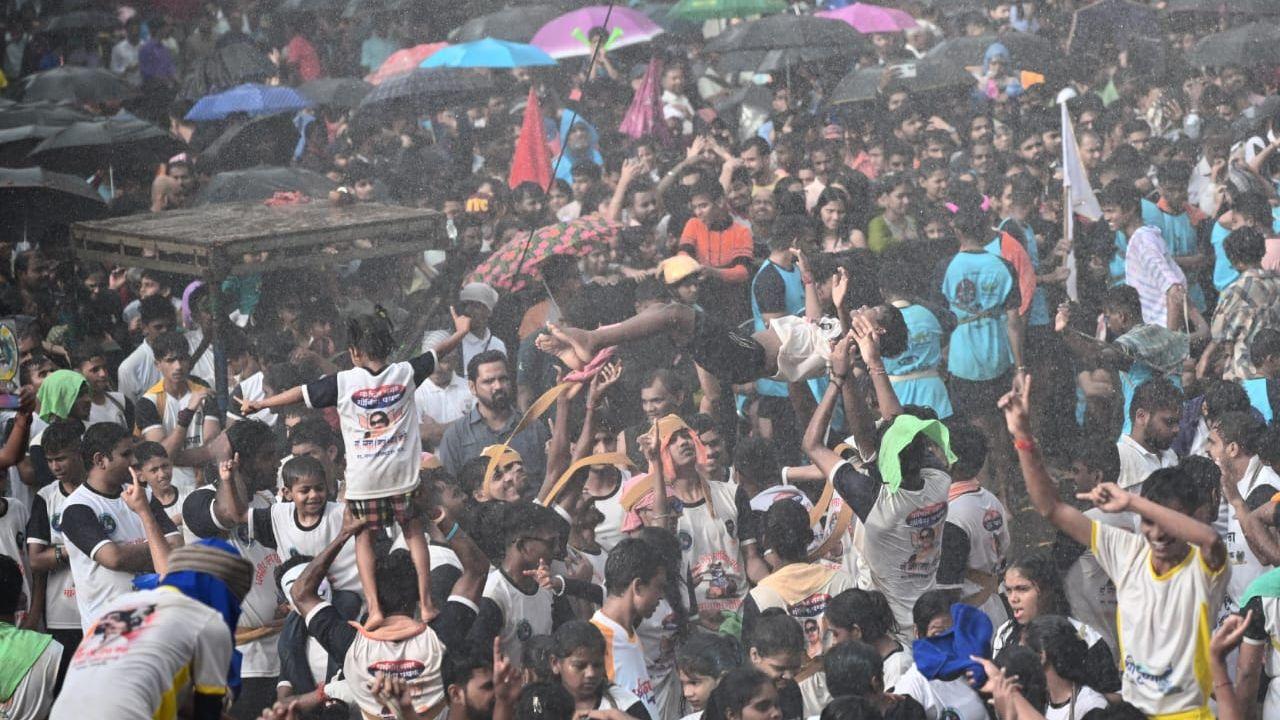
[{"x": 465, "y": 437}]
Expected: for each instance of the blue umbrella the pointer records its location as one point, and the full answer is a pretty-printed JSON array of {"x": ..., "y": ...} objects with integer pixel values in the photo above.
[
  {"x": 488, "y": 53},
  {"x": 251, "y": 99}
]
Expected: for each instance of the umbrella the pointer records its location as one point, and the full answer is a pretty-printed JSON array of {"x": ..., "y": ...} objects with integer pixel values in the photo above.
[
  {"x": 915, "y": 77},
  {"x": 402, "y": 61},
  {"x": 269, "y": 140},
  {"x": 1249, "y": 45},
  {"x": 90, "y": 20},
  {"x": 575, "y": 238},
  {"x": 872, "y": 18},
  {"x": 16, "y": 143},
  {"x": 660, "y": 13},
  {"x": 430, "y": 88},
  {"x": 336, "y": 92},
  {"x": 229, "y": 65},
  {"x": 1027, "y": 51},
  {"x": 251, "y": 99},
  {"x": 517, "y": 24},
  {"x": 489, "y": 53},
  {"x": 567, "y": 35},
  {"x": 1112, "y": 24},
  {"x": 703, "y": 10},
  {"x": 1235, "y": 7},
  {"x": 39, "y": 113},
  {"x": 260, "y": 183},
  {"x": 28, "y": 192},
  {"x": 88, "y": 146},
  {"x": 77, "y": 84},
  {"x": 779, "y": 41}
]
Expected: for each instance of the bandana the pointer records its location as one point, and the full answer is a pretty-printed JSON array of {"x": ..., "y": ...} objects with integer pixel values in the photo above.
[
  {"x": 58, "y": 394},
  {"x": 19, "y": 650},
  {"x": 900, "y": 435}
]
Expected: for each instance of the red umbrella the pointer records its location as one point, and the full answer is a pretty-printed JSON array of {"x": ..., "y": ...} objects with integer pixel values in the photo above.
[
  {"x": 402, "y": 61},
  {"x": 576, "y": 238}
]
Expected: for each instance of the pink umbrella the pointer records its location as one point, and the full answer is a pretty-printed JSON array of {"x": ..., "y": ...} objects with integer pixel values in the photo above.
[
  {"x": 402, "y": 61},
  {"x": 568, "y": 35},
  {"x": 868, "y": 19}
]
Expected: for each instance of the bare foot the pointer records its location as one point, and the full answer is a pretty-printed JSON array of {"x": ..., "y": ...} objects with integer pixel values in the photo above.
[
  {"x": 557, "y": 343},
  {"x": 374, "y": 621},
  {"x": 577, "y": 339},
  {"x": 428, "y": 611}
]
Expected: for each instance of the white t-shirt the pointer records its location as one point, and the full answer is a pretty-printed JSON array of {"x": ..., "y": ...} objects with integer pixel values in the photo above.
[
  {"x": 942, "y": 699},
  {"x": 1086, "y": 699},
  {"x": 201, "y": 367},
  {"x": 658, "y": 638},
  {"x": 444, "y": 404},
  {"x": 158, "y": 410},
  {"x": 985, "y": 521},
  {"x": 1092, "y": 596},
  {"x": 472, "y": 345},
  {"x": 523, "y": 616},
  {"x": 138, "y": 372},
  {"x": 1136, "y": 463},
  {"x": 111, "y": 410},
  {"x": 803, "y": 590},
  {"x": 1245, "y": 566},
  {"x": 143, "y": 648},
  {"x": 34, "y": 694},
  {"x": 709, "y": 541},
  {"x": 13, "y": 539},
  {"x": 60, "y": 611},
  {"x": 416, "y": 660},
  {"x": 251, "y": 388},
  {"x": 278, "y": 526},
  {"x": 624, "y": 661},
  {"x": 1163, "y": 621},
  {"x": 609, "y": 531}
]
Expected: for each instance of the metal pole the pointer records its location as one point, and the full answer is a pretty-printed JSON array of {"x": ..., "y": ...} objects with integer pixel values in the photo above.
[{"x": 218, "y": 272}]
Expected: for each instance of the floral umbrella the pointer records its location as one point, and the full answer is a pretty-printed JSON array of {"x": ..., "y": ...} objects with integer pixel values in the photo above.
[{"x": 577, "y": 238}]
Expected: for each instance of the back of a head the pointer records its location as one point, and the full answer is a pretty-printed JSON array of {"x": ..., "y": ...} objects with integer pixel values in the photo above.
[
  {"x": 1124, "y": 298},
  {"x": 397, "y": 582},
  {"x": 10, "y": 586},
  {"x": 853, "y": 668},
  {"x": 1119, "y": 711},
  {"x": 787, "y": 531},
  {"x": 1264, "y": 344},
  {"x": 371, "y": 335},
  {"x": 754, "y": 457},
  {"x": 776, "y": 633},
  {"x": 734, "y": 692},
  {"x": 970, "y": 447},
  {"x": 970, "y": 219},
  {"x": 1241, "y": 428},
  {"x": 575, "y": 635},
  {"x": 1021, "y": 662},
  {"x": 631, "y": 560},
  {"x": 866, "y": 610},
  {"x": 544, "y": 701},
  {"x": 850, "y": 708},
  {"x": 932, "y": 604},
  {"x": 1172, "y": 488},
  {"x": 1100, "y": 455},
  {"x": 896, "y": 335},
  {"x": 708, "y": 655},
  {"x": 1245, "y": 246},
  {"x": 1061, "y": 645}
]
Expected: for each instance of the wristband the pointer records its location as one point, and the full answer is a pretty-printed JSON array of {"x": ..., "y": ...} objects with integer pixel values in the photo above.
[
  {"x": 185, "y": 416},
  {"x": 1025, "y": 444},
  {"x": 453, "y": 531}
]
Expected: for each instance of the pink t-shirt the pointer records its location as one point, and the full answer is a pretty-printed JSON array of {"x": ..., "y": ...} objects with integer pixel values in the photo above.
[{"x": 302, "y": 55}]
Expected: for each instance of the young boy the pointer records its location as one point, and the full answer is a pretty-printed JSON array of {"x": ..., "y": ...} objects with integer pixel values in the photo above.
[
  {"x": 1169, "y": 577},
  {"x": 702, "y": 661},
  {"x": 178, "y": 412},
  {"x": 89, "y": 359},
  {"x": 151, "y": 463},
  {"x": 635, "y": 582}
]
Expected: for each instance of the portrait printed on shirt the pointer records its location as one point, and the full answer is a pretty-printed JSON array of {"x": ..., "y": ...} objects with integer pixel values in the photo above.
[{"x": 111, "y": 636}]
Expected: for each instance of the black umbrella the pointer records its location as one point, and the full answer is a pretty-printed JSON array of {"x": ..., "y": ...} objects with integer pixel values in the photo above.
[
  {"x": 434, "y": 87},
  {"x": 914, "y": 77},
  {"x": 1249, "y": 45},
  {"x": 77, "y": 84},
  {"x": 1026, "y": 51},
  {"x": 82, "y": 20},
  {"x": 16, "y": 143},
  {"x": 40, "y": 113},
  {"x": 336, "y": 92},
  {"x": 514, "y": 24},
  {"x": 27, "y": 193},
  {"x": 778, "y": 41},
  {"x": 232, "y": 64},
  {"x": 267, "y": 140},
  {"x": 261, "y": 183},
  {"x": 1113, "y": 25},
  {"x": 310, "y": 6},
  {"x": 88, "y": 146},
  {"x": 1234, "y": 7}
]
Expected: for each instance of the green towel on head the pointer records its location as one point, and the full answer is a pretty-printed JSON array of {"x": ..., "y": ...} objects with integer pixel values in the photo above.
[
  {"x": 899, "y": 436},
  {"x": 58, "y": 393},
  {"x": 1266, "y": 585},
  {"x": 19, "y": 650}
]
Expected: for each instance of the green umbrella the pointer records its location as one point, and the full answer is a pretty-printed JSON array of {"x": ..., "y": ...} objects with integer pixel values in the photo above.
[{"x": 701, "y": 10}]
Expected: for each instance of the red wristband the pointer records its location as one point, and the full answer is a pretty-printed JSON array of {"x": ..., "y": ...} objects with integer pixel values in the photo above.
[{"x": 1026, "y": 444}]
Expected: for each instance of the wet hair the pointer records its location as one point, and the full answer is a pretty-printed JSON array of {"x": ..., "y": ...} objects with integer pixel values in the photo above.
[
  {"x": 63, "y": 436},
  {"x": 666, "y": 545},
  {"x": 669, "y": 379},
  {"x": 1264, "y": 344},
  {"x": 460, "y": 664},
  {"x": 1123, "y": 195},
  {"x": 544, "y": 701},
  {"x": 314, "y": 431},
  {"x": 932, "y": 604},
  {"x": 896, "y": 334},
  {"x": 370, "y": 333},
  {"x": 734, "y": 692},
  {"x": 248, "y": 438},
  {"x": 143, "y": 452},
  {"x": 301, "y": 466},
  {"x": 10, "y": 585},
  {"x": 1119, "y": 711},
  {"x": 970, "y": 447},
  {"x": 155, "y": 308},
  {"x": 707, "y": 187},
  {"x": 852, "y": 669},
  {"x": 1021, "y": 662},
  {"x": 171, "y": 345},
  {"x": 850, "y": 708},
  {"x": 1100, "y": 455},
  {"x": 1242, "y": 428},
  {"x": 83, "y": 352},
  {"x": 708, "y": 655},
  {"x": 1205, "y": 477},
  {"x": 575, "y": 635},
  {"x": 1125, "y": 299},
  {"x": 754, "y": 457},
  {"x": 1254, "y": 206},
  {"x": 1041, "y": 570},
  {"x": 896, "y": 278},
  {"x": 776, "y": 633},
  {"x": 970, "y": 218},
  {"x": 1245, "y": 246},
  {"x": 1174, "y": 173},
  {"x": 536, "y": 655},
  {"x": 1172, "y": 488},
  {"x": 867, "y": 610},
  {"x": 1062, "y": 646},
  {"x": 1223, "y": 396},
  {"x": 101, "y": 439},
  {"x": 483, "y": 523},
  {"x": 281, "y": 376},
  {"x": 630, "y": 560},
  {"x": 484, "y": 358},
  {"x": 1155, "y": 395},
  {"x": 397, "y": 582},
  {"x": 786, "y": 531},
  {"x": 521, "y": 518}
]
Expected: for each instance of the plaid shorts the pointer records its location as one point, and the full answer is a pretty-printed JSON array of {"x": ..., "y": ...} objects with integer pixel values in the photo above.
[{"x": 383, "y": 512}]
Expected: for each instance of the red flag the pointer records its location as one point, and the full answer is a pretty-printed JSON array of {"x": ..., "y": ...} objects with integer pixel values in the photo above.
[
  {"x": 644, "y": 116},
  {"x": 531, "y": 161}
]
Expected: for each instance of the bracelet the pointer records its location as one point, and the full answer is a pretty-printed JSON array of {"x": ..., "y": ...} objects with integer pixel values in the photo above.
[
  {"x": 57, "y": 554},
  {"x": 838, "y": 380},
  {"x": 453, "y": 531},
  {"x": 185, "y": 416},
  {"x": 1222, "y": 683},
  {"x": 1024, "y": 444},
  {"x": 877, "y": 370},
  {"x": 562, "y": 585}
]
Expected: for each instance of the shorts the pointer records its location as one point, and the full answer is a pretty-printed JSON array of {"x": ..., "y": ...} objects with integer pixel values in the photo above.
[
  {"x": 383, "y": 512},
  {"x": 972, "y": 398},
  {"x": 804, "y": 348},
  {"x": 725, "y": 353}
]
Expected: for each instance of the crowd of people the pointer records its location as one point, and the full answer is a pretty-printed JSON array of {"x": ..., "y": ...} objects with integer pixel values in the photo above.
[{"x": 839, "y": 411}]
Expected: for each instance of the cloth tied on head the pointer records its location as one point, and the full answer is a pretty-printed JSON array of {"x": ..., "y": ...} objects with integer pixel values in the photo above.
[
  {"x": 58, "y": 393},
  {"x": 217, "y": 559},
  {"x": 947, "y": 656},
  {"x": 638, "y": 493},
  {"x": 899, "y": 436}
]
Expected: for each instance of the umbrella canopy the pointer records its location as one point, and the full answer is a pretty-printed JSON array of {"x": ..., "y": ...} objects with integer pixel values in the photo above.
[
  {"x": 77, "y": 84},
  {"x": 88, "y": 146},
  {"x": 336, "y": 92},
  {"x": 568, "y": 35},
  {"x": 82, "y": 20},
  {"x": 36, "y": 192},
  {"x": 517, "y": 24},
  {"x": 40, "y": 113},
  {"x": 402, "y": 61},
  {"x": 489, "y": 53},
  {"x": 1026, "y": 51},
  {"x": 267, "y": 140},
  {"x": 17, "y": 143},
  {"x": 227, "y": 66},
  {"x": 251, "y": 98},
  {"x": 575, "y": 238},
  {"x": 1234, "y": 7},
  {"x": 1249, "y": 45},
  {"x": 777, "y": 41},
  {"x": 1112, "y": 24},
  {"x": 872, "y": 18},
  {"x": 430, "y": 88},
  {"x": 260, "y": 183},
  {"x": 915, "y": 77},
  {"x": 703, "y": 10}
]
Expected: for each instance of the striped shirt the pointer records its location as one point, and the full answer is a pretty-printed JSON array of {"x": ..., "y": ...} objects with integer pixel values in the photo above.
[{"x": 1150, "y": 269}]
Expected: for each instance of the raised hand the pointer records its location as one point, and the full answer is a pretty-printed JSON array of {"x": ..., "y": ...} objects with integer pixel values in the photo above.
[
  {"x": 867, "y": 334},
  {"x": 227, "y": 468},
  {"x": 135, "y": 494},
  {"x": 542, "y": 574},
  {"x": 841, "y": 362},
  {"x": 648, "y": 443},
  {"x": 1063, "y": 318},
  {"x": 1229, "y": 633},
  {"x": 1107, "y": 497},
  {"x": 1016, "y": 406},
  {"x": 461, "y": 323},
  {"x": 603, "y": 380},
  {"x": 352, "y": 525},
  {"x": 507, "y": 679},
  {"x": 840, "y": 287}
]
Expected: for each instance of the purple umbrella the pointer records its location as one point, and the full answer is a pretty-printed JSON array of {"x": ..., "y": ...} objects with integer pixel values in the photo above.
[
  {"x": 872, "y": 18},
  {"x": 568, "y": 35}
]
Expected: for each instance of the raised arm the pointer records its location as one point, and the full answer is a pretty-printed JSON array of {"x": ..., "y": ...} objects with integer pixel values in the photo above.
[
  {"x": 867, "y": 334},
  {"x": 1109, "y": 497},
  {"x": 135, "y": 496},
  {"x": 630, "y": 167},
  {"x": 1044, "y": 496},
  {"x": 231, "y": 504},
  {"x": 814, "y": 441},
  {"x": 1261, "y": 538}
]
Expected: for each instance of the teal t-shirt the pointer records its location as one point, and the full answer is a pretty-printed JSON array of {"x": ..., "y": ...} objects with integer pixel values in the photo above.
[
  {"x": 977, "y": 286},
  {"x": 924, "y": 352}
]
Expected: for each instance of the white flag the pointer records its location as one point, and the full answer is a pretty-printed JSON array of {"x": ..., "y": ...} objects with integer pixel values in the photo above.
[{"x": 1074, "y": 178}]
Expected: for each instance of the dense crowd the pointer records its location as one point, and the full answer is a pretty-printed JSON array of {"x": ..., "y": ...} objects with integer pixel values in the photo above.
[{"x": 721, "y": 392}]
